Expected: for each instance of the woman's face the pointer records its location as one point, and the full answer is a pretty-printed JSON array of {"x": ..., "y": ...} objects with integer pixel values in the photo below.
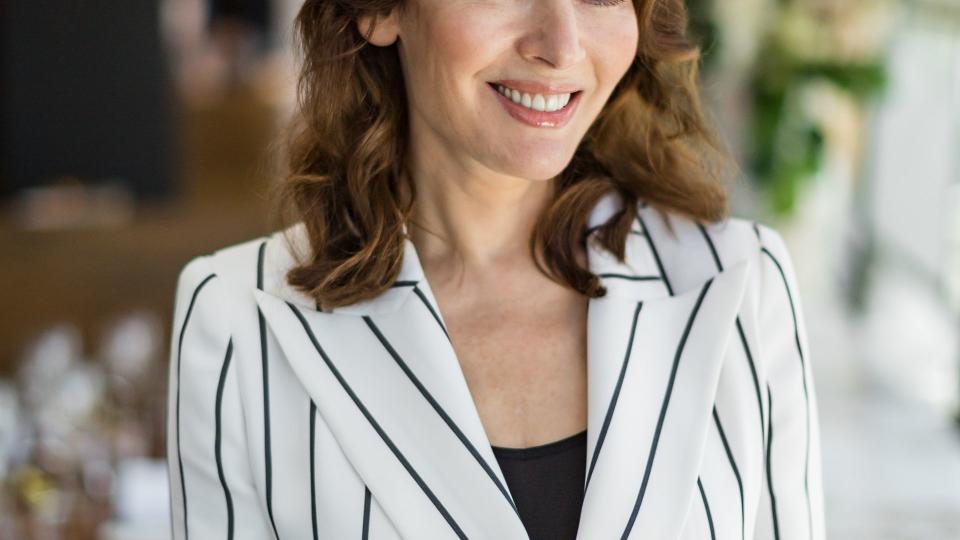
[{"x": 453, "y": 53}]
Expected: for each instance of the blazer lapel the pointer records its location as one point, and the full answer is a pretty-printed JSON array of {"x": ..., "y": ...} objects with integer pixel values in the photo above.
[
  {"x": 653, "y": 369},
  {"x": 385, "y": 378}
]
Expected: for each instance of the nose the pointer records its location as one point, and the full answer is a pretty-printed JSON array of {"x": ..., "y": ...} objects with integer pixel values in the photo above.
[{"x": 553, "y": 36}]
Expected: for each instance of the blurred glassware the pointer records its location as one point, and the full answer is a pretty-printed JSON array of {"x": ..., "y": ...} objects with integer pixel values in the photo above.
[
  {"x": 46, "y": 360},
  {"x": 71, "y": 406},
  {"x": 131, "y": 351},
  {"x": 131, "y": 345}
]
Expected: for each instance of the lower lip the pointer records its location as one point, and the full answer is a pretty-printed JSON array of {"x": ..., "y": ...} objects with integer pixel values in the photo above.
[{"x": 555, "y": 119}]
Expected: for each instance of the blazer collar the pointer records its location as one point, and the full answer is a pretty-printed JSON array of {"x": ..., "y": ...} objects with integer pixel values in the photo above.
[{"x": 385, "y": 378}]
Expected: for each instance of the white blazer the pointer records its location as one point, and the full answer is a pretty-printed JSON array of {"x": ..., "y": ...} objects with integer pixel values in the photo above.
[{"x": 292, "y": 423}]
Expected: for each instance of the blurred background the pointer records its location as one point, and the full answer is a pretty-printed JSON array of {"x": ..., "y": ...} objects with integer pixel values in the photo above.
[{"x": 137, "y": 135}]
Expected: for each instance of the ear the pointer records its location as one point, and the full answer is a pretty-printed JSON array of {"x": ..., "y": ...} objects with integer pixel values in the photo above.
[{"x": 385, "y": 31}]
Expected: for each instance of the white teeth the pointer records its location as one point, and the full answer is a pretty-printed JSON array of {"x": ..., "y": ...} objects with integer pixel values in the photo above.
[{"x": 537, "y": 102}]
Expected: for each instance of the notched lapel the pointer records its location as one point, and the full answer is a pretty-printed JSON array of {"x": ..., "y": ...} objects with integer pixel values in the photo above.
[
  {"x": 392, "y": 393},
  {"x": 653, "y": 370}
]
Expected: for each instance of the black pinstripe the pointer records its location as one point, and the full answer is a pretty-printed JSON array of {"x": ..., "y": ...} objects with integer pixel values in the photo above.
[
  {"x": 743, "y": 338},
  {"x": 773, "y": 498},
  {"x": 376, "y": 426},
  {"x": 628, "y": 277},
  {"x": 656, "y": 254},
  {"x": 313, "y": 469},
  {"x": 806, "y": 396},
  {"x": 366, "y": 513},
  {"x": 268, "y": 458},
  {"x": 706, "y": 507},
  {"x": 756, "y": 386},
  {"x": 736, "y": 470},
  {"x": 217, "y": 438},
  {"x": 183, "y": 329},
  {"x": 663, "y": 409},
  {"x": 443, "y": 414},
  {"x": 613, "y": 399},
  {"x": 436, "y": 317}
]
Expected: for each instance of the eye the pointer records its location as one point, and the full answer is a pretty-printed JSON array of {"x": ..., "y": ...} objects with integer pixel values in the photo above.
[{"x": 607, "y": 2}]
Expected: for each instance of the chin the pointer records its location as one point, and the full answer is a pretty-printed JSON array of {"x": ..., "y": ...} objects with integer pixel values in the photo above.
[
  {"x": 542, "y": 165},
  {"x": 543, "y": 172}
]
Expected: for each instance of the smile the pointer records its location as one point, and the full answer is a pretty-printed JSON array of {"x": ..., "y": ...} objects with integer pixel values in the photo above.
[
  {"x": 537, "y": 110},
  {"x": 537, "y": 102}
]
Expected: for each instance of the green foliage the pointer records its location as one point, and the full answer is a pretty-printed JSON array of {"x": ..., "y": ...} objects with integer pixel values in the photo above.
[
  {"x": 786, "y": 146},
  {"x": 703, "y": 30}
]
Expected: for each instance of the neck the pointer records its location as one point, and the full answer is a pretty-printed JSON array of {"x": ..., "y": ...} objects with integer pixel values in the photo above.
[{"x": 478, "y": 224}]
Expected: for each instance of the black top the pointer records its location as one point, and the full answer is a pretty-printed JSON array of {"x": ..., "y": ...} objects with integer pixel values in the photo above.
[{"x": 547, "y": 484}]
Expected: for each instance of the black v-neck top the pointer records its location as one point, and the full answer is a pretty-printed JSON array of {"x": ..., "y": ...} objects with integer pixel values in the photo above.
[{"x": 547, "y": 484}]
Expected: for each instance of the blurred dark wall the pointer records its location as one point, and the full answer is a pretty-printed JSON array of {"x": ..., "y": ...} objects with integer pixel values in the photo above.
[
  {"x": 253, "y": 12},
  {"x": 85, "y": 93}
]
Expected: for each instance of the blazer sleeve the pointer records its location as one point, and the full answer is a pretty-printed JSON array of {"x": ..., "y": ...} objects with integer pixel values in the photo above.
[
  {"x": 212, "y": 493},
  {"x": 791, "y": 502}
]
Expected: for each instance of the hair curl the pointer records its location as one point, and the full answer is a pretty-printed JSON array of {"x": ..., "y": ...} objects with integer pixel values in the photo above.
[{"x": 344, "y": 154}]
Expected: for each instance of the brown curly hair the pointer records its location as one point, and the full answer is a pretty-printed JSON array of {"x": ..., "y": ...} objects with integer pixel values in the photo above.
[{"x": 344, "y": 154}]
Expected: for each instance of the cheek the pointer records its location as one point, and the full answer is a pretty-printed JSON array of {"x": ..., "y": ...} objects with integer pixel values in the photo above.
[
  {"x": 617, "y": 45},
  {"x": 463, "y": 38},
  {"x": 613, "y": 44}
]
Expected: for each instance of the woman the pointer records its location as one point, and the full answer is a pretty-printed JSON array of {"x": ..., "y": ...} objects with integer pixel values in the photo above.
[{"x": 493, "y": 319}]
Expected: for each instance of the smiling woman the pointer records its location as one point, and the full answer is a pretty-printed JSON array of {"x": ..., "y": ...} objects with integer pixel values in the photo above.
[
  {"x": 511, "y": 305},
  {"x": 372, "y": 115}
]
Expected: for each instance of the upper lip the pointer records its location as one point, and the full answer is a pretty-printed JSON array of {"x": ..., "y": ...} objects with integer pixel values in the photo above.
[{"x": 535, "y": 87}]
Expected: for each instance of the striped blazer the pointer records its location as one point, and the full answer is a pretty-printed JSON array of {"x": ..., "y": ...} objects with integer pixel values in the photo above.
[{"x": 289, "y": 422}]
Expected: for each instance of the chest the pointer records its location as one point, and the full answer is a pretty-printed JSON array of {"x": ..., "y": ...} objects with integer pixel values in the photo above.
[{"x": 524, "y": 361}]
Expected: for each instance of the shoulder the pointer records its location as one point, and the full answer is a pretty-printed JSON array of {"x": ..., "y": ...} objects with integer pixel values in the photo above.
[
  {"x": 691, "y": 251},
  {"x": 253, "y": 262},
  {"x": 732, "y": 238},
  {"x": 699, "y": 249},
  {"x": 259, "y": 263}
]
